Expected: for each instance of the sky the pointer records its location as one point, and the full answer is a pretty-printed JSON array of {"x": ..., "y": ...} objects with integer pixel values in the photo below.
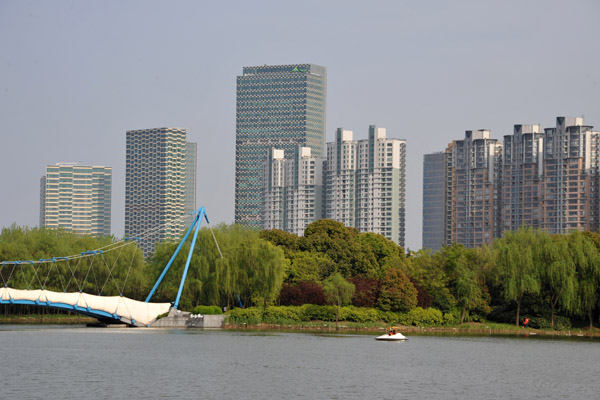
[{"x": 76, "y": 75}]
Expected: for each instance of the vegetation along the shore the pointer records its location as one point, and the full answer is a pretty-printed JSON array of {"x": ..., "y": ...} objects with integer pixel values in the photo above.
[{"x": 335, "y": 273}]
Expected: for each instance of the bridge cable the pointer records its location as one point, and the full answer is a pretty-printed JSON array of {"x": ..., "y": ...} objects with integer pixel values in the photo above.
[
  {"x": 11, "y": 272},
  {"x": 54, "y": 266},
  {"x": 24, "y": 276},
  {"x": 73, "y": 273},
  {"x": 86, "y": 275},
  {"x": 215, "y": 239},
  {"x": 35, "y": 274},
  {"x": 110, "y": 269},
  {"x": 127, "y": 276},
  {"x": 94, "y": 274},
  {"x": 71, "y": 270},
  {"x": 2, "y": 276}
]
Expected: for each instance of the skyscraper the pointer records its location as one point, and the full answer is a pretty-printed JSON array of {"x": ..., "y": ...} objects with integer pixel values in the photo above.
[
  {"x": 434, "y": 195},
  {"x": 279, "y": 106},
  {"x": 77, "y": 198},
  {"x": 365, "y": 183},
  {"x": 191, "y": 169},
  {"x": 156, "y": 186}
]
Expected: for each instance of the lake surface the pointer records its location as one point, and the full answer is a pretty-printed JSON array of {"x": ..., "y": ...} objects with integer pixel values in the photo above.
[{"x": 58, "y": 362}]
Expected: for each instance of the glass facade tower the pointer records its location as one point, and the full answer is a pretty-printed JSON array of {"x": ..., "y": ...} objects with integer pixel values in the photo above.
[
  {"x": 281, "y": 107},
  {"x": 434, "y": 195}
]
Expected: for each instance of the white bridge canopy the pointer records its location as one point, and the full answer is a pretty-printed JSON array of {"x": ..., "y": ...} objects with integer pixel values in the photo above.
[{"x": 129, "y": 311}]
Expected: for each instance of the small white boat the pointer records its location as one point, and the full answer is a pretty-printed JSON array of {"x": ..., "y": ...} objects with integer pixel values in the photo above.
[{"x": 392, "y": 335}]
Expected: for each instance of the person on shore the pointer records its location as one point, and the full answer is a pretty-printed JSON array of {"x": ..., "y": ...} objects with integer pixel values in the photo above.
[{"x": 526, "y": 322}]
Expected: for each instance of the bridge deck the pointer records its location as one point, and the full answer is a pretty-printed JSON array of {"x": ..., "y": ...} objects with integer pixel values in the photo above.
[{"x": 119, "y": 308}]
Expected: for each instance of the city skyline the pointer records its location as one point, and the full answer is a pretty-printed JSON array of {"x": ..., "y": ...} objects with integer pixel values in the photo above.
[{"x": 69, "y": 88}]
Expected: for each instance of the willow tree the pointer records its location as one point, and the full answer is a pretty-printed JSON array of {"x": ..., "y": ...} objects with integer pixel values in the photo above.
[
  {"x": 587, "y": 265},
  {"x": 338, "y": 291},
  {"x": 262, "y": 264},
  {"x": 557, "y": 271},
  {"x": 516, "y": 268}
]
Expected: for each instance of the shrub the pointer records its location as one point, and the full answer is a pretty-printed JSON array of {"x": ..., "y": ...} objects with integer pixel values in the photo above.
[
  {"x": 321, "y": 313},
  {"x": 283, "y": 314},
  {"x": 302, "y": 293},
  {"x": 451, "y": 318},
  {"x": 312, "y": 292},
  {"x": 560, "y": 323},
  {"x": 421, "y": 317},
  {"x": 251, "y": 315},
  {"x": 389, "y": 317},
  {"x": 354, "y": 314},
  {"x": 207, "y": 310},
  {"x": 290, "y": 295}
]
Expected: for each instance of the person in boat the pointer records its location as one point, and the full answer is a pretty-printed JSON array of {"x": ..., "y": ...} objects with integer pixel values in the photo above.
[{"x": 526, "y": 322}]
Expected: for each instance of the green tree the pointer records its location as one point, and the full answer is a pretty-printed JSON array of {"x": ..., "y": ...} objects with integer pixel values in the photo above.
[
  {"x": 397, "y": 293},
  {"x": 340, "y": 244},
  {"x": 338, "y": 291},
  {"x": 465, "y": 269},
  {"x": 287, "y": 241},
  {"x": 588, "y": 275},
  {"x": 386, "y": 254},
  {"x": 557, "y": 270},
  {"x": 429, "y": 273},
  {"x": 263, "y": 266},
  {"x": 516, "y": 267},
  {"x": 308, "y": 267}
]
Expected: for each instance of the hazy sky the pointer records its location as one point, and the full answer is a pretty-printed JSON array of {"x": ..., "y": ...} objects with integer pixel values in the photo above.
[{"x": 76, "y": 75}]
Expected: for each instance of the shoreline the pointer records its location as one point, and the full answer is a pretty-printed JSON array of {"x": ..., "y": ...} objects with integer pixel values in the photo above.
[{"x": 466, "y": 330}]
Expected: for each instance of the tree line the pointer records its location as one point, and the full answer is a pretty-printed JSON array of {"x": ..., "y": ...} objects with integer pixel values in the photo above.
[{"x": 548, "y": 277}]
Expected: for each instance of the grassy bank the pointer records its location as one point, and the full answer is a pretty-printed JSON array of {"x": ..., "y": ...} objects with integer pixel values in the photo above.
[
  {"x": 65, "y": 319},
  {"x": 378, "y": 328}
]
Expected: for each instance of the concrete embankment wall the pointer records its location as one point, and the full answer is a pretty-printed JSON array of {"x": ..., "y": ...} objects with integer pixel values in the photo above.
[{"x": 182, "y": 319}]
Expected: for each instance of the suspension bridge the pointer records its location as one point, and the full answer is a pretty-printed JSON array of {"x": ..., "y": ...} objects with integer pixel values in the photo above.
[{"x": 83, "y": 267}]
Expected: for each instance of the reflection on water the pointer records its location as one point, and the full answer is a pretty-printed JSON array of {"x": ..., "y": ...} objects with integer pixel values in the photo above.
[{"x": 85, "y": 363}]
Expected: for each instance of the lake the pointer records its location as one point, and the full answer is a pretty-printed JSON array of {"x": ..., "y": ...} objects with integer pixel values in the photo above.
[{"x": 65, "y": 362}]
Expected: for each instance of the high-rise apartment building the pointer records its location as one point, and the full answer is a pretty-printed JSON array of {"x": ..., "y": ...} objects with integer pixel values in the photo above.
[
  {"x": 365, "y": 183},
  {"x": 156, "y": 185},
  {"x": 548, "y": 180},
  {"x": 340, "y": 178},
  {"x": 522, "y": 169},
  {"x": 570, "y": 182},
  {"x": 475, "y": 167},
  {"x": 292, "y": 190},
  {"x": 434, "y": 196},
  {"x": 273, "y": 197},
  {"x": 280, "y": 107},
  {"x": 77, "y": 198}
]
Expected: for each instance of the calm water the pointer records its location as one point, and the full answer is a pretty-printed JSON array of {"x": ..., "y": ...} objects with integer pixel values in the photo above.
[{"x": 48, "y": 362}]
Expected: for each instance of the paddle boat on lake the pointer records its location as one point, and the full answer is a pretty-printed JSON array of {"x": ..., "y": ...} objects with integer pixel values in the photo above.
[{"x": 393, "y": 334}]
